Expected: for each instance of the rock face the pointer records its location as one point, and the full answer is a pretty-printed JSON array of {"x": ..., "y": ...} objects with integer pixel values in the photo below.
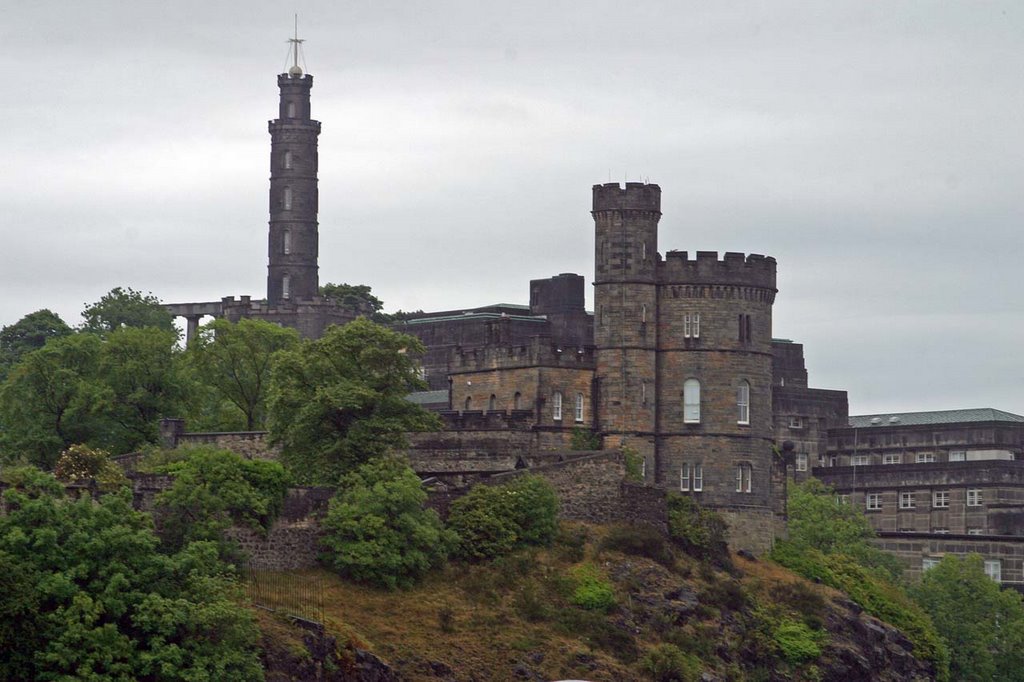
[{"x": 320, "y": 660}]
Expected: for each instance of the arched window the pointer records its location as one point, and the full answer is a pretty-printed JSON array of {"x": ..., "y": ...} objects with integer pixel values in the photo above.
[
  {"x": 469, "y": 403},
  {"x": 492, "y": 403},
  {"x": 288, "y": 159},
  {"x": 286, "y": 287},
  {"x": 287, "y": 198},
  {"x": 556, "y": 406},
  {"x": 643, "y": 312},
  {"x": 291, "y": 109},
  {"x": 691, "y": 401},
  {"x": 287, "y": 242},
  {"x": 517, "y": 400},
  {"x": 744, "y": 474},
  {"x": 743, "y": 402},
  {"x": 579, "y": 407}
]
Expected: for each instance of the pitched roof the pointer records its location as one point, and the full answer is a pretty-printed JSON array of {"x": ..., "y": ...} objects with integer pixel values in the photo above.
[{"x": 980, "y": 414}]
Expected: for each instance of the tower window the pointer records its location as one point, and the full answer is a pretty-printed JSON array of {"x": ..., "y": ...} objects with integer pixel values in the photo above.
[
  {"x": 744, "y": 327},
  {"x": 288, "y": 159},
  {"x": 492, "y": 403},
  {"x": 287, "y": 198},
  {"x": 286, "y": 286},
  {"x": 643, "y": 312},
  {"x": 743, "y": 402},
  {"x": 517, "y": 400},
  {"x": 291, "y": 109},
  {"x": 691, "y": 401},
  {"x": 579, "y": 407},
  {"x": 691, "y": 325},
  {"x": 556, "y": 406},
  {"x": 468, "y": 404},
  {"x": 744, "y": 476},
  {"x": 287, "y": 242}
]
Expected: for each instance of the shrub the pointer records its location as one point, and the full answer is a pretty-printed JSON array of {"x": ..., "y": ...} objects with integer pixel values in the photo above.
[
  {"x": 584, "y": 439},
  {"x": 376, "y": 529},
  {"x": 491, "y": 521},
  {"x": 797, "y": 642},
  {"x": 640, "y": 541},
  {"x": 593, "y": 592},
  {"x": 699, "y": 531},
  {"x": 634, "y": 465},
  {"x": 667, "y": 663},
  {"x": 82, "y": 463}
]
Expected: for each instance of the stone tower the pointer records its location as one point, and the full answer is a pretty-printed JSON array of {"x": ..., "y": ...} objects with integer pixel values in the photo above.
[
  {"x": 293, "y": 244},
  {"x": 626, "y": 312}
]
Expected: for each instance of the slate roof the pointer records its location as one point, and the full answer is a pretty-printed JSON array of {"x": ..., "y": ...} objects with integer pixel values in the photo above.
[
  {"x": 980, "y": 414},
  {"x": 428, "y": 397}
]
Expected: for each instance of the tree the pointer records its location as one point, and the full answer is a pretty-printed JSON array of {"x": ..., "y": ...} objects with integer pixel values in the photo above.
[
  {"x": 126, "y": 308},
  {"x": 214, "y": 489},
  {"x": 376, "y": 529},
  {"x": 358, "y": 296},
  {"x": 85, "y": 595},
  {"x": 339, "y": 401},
  {"x": 492, "y": 520},
  {"x": 982, "y": 623},
  {"x": 45, "y": 402},
  {"x": 235, "y": 360},
  {"x": 28, "y": 334}
]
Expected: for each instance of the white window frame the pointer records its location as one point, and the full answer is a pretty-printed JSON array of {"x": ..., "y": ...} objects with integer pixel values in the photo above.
[
  {"x": 743, "y": 402},
  {"x": 975, "y": 531},
  {"x": 924, "y": 458},
  {"x": 994, "y": 569},
  {"x": 698, "y": 478},
  {"x": 873, "y": 501},
  {"x": 796, "y": 423},
  {"x": 801, "y": 461},
  {"x": 696, "y": 325},
  {"x": 579, "y": 408},
  {"x": 691, "y": 401},
  {"x": 860, "y": 460},
  {"x": 684, "y": 477},
  {"x": 929, "y": 562},
  {"x": 687, "y": 326},
  {"x": 744, "y": 478},
  {"x": 556, "y": 406},
  {"x": 975, "y": 497},
  {"x": 941, "y": 530},
  {"x": 940, "y": 499},
  {"x": 891, "y": 458},
  {"x": 957, "y": 455},
  {"x": 908, "y": 501}
]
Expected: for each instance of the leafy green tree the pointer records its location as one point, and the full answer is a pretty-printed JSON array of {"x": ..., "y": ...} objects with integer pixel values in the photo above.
[
  {"x": 817, "y": 520},
  {"x": 28, "y": 334},
  {"x": 982, "y": 623},
  {"x": 45, "y": 404},
  {"x": 355, "y": 295},
  {"x": 235, "y": 360},
  {"x": 86, "y": 596},
  {"x": 492, "y": 520},
  {"x": 376, "y": 529},
  {"x": 214, "y": 489},
  {"x": 339, "y": 401},
  {"x": 126, "y": 308}
]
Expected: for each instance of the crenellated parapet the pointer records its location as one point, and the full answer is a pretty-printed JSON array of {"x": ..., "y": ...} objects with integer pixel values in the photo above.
[
  {"x": 635, "y": 196},
  {"x": 539, "y": 352},
  {"x": 733, "y": 269}
]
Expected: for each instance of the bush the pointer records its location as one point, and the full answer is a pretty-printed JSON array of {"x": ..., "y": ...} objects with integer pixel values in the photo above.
[
  {"x": 699, "y": 531},
  {"x": 634, "y": 465},
  {"x": 491, "y": 521},
  {"x": 214, "y": 489},
  {"x": 584, "y": 439},
  {"x": 592, "y": 591},
  {"x": 640, "y": 541},
  {"x": 797, "y": 642},
  {"x": 667, "y": 663},
  {"x": 377, "y": 531},
  {"x": 82, "y": 463}
]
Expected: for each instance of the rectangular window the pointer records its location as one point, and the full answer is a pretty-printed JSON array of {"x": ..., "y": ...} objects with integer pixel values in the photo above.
[
  {"x": 556, "y": 407},
  {"x": 940, "y": 530},
  {"x": 833, "y": 461},
  {"x": 684, "y": 477},
  {"x": 687, "y": 326},
  {"x": 907, "y": 500},
  {"x": 696, "y": 325},
  {"x": 801, "y": 461},
  {"x": 796, "y": 423},
  {"x": 691, "y": 401},
  {"x": 994, "y": 569},
  {"x": 842, "y": 499},
  {"x": 924, "y": 457},
  {"x": 744, "y": 473},
  {"x": 873, "y": 501},
  {"x": 698, "y": 477},
  {"x": 928, "y": 563},
  {"x": 975, "y": 531},
  {"x": 890, "y": 459},
  {"x": 579, "y": 407},
  {"x": 906, "y": 530},
  {"x": 860, "y": 460},
  {"x": 957, "y": 455},
  {"x": 940, "y": 499},
  {"x": 743, "y": 403},
  {"x": 974, "y": 497}
]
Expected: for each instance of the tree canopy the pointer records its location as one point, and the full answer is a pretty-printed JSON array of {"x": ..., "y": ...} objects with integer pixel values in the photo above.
[
  {"x": 355, "y": 295},
  {"x": 235, "y": 360},
  {"x": 84, "y": 594},
  {"x": 28, "y": 334},
  {"x": 982, "y": 623},
  {"x": 339, "y": 401},
  {"x": 126, "y": 308}
]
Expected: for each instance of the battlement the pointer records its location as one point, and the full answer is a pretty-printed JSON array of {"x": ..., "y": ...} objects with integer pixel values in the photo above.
[
  {"x": 635, "y": 196},
  {"x": 303, "y": 80},
  {"x": 735, "y": 269},
  {"x": 539, "y": 352}
]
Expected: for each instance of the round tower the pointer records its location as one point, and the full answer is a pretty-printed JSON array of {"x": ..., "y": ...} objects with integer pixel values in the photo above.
[
  {"x": 293, "y": 240},
  {"x": 626, "y": 311}
]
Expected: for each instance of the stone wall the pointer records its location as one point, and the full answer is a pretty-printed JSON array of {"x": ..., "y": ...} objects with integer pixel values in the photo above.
[
  {"x": 246, "y": 444},
  {"x": 288, "y": 545},
  {"x": 752, "y": 529}
]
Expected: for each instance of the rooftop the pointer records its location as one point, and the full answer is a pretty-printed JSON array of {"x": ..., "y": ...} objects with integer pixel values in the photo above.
[
  {"x": 428, "y": 397},
  {"x": 979, "y": 414}
]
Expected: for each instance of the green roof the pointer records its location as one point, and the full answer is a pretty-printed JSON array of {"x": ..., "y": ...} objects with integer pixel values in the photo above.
[
  {"x": 980, "y": 414},
  {"x": 428, "y": 397},
  {"x": 476, "y": 316}
]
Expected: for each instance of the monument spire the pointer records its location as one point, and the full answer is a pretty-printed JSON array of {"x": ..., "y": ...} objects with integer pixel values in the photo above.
[{"x": 295, "y": 69}]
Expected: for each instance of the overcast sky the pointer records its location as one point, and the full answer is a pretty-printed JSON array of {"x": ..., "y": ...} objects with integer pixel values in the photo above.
[{"x": 875, "y": 149}]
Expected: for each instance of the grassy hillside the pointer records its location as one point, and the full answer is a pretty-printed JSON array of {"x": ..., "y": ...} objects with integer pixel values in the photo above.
[{"x": 583, "y": 610}]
